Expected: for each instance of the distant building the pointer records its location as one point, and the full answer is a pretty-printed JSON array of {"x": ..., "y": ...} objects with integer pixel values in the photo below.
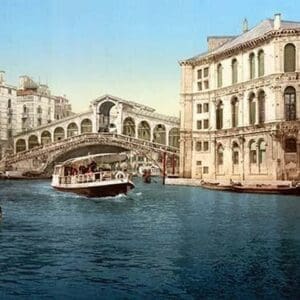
[
  {"x": 240, "y": 105},
  {"x": 27, "y": 106}
]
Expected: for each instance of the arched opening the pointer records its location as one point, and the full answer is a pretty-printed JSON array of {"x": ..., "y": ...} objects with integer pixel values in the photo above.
[
  {"x": 86, "y": 126},
  {"x": 20, "y": 145},
  {"x": 235, "y": 158},
  {"x": 72, "y": 129},
  {"x": 45, "y": 137},
  {"x": 219, "y": 115},
  {"x": 174, "y": 135},
  {"x": 144, "y": 131},
  {"x": 33, "y": 141},
  {"x": 129, "y": 127},
  {"x": 252, "y": 109},
  {"x": 262, "y": 155},
  {"x": 261, "y": 63},
  {"x": 159, "y": 134},
  {"x": 234, "y": 69},
  {"x": 252, "y": 66},
  {"x": 290, "y": 103},
  {"x": 234, "y": 112},
  {"x": 59, "y": 134},
  {"x": 252, "y": 156},
  {"x": 104, "y": 116},
  {"x": 261, "y": 107},
  {"x": 289, "y": 58},
  {"x": 219, "y": 75},
  {"x": 220, "y": 159},
  {"x": 290, "y": 145}
]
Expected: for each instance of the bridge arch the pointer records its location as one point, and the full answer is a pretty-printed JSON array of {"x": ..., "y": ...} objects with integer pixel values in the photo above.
[
  {"x": 72, "y": 129},
  {"x": 159, "y": 134},
  {"x": 33, "y": 141},
  {"x": 86, "y": 126},
  {"x": 20, "y": 145},
  {"x": 46, "y": 137},
  {"x": 129, "y": 127},
  {"x": 174, "y": 135},
  {"x": 144, "y": 131},
  {"x": 104, "y": 115},
  {"x": 59, "y": 134}
]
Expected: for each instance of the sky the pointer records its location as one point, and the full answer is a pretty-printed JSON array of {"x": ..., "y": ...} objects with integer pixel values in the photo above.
[{"x": 127, "y": 48}]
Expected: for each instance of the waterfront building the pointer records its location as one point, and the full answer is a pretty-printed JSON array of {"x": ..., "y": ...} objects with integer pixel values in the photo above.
[
  {"x": 25, "y": 107},
  {"x": 240, "y": 105}
]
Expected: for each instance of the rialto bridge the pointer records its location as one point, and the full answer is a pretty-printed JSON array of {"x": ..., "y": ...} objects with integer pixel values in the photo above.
[{"x": 111, "y": 124}]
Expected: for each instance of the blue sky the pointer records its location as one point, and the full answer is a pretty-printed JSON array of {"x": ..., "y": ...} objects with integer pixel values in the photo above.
[{"x": 127, "y": 48}]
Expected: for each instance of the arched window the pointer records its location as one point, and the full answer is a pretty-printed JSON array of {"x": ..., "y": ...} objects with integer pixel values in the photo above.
[
  {"x": 252, "y": 152},
  {"x": 219, "y": 115},
  {"x": 86, "y": 126},
  {"x": 72, "y": 129},
  {"x": 234, "y": 67},
  {"x": 235, "y": 153},
  {"x": 129, "y": 127},
  {"x": 261, "y": 63},
  {"x": 219, "y": 75},
  {"x": 261, "y": 107},
  {"x": 261, "y": 152},
  {"x": 234, "y": 112},
  {"x": 289, "y": 58},
  {"x": 252, "y": 109},
  {"x": 144, "y": 131},
  {"x": 220, "y": 155},
  {"x": 252, "y": 65},
  {"x": 159, "y": 134},
  {"x": 290, "y": 145},
  {"x": 9, "y": 103},
  {"x": 290, "y": 103},
  {"x": 174, "y": 137}
]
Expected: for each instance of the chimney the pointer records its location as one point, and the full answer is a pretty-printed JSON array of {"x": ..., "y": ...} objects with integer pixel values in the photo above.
[
  {"x": 277, "y": 21},
  {"x": 2, "y": 76},
  {"x": 245, "y": 25}
]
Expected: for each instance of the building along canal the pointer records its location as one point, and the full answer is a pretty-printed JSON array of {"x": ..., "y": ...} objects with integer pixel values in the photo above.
[{"x": 159, "y": 241}]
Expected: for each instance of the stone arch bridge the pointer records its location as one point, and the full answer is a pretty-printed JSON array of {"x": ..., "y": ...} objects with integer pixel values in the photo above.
[{"x": 42, "y": 158}]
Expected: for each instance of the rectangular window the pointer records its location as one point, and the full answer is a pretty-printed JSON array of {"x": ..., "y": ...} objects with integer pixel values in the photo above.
[
  {"x": 205, "y": 146},
  {"x": 205, "y": 170},
  {"x": 9, "y": 91},
  {"x": 199, "y": 74},
  {"x": 205, "y": 107},
  {"x": 199, "y": 163},
  {"x": 198, "y": 146},
  {"x": 205, "y": 72},
  {"x": 199, "y": 124},
  {"x": 206, "y": 84},
  {"x": 253, "y": 157},
  {"x": 205, "y": 124},
  {"x": 199, "y": 84},
  {"x": 199, "y": 108},
  {"x": 235, "y": 157}
]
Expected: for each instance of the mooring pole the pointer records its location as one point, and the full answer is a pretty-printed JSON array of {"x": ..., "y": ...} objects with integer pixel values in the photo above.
[
  {"x": 173, "y": 164},
  {"x": 164, "y": 167}
]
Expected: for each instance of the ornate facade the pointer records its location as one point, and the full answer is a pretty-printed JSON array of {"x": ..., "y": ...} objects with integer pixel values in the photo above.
[{"x": 240, "y": 105}]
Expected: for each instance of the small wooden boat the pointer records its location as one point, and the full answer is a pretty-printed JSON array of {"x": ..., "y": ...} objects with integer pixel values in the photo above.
[
  {"x": 267, "y": 189},
  {"x": 82, "y": 176},
  {"x": 215, "y": 186}
]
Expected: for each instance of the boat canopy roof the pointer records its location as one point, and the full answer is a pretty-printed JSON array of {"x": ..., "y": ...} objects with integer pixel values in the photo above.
[{"x": 103, "y": 158}]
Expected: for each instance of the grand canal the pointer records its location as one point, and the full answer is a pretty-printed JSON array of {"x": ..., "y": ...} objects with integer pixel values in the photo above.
[{"x": 160, "y": 241}]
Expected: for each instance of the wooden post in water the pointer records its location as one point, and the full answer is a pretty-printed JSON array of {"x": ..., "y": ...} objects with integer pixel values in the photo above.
[
  {"x": 173, "y": 164},
  {"x": 164, "y": 167}
]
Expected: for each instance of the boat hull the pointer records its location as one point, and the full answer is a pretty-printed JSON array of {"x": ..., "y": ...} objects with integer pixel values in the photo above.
[{"x": 110, "y": 190}]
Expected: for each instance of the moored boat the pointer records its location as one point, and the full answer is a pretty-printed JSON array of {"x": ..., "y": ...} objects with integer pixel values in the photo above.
[{"x": 83, "y": 176}]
